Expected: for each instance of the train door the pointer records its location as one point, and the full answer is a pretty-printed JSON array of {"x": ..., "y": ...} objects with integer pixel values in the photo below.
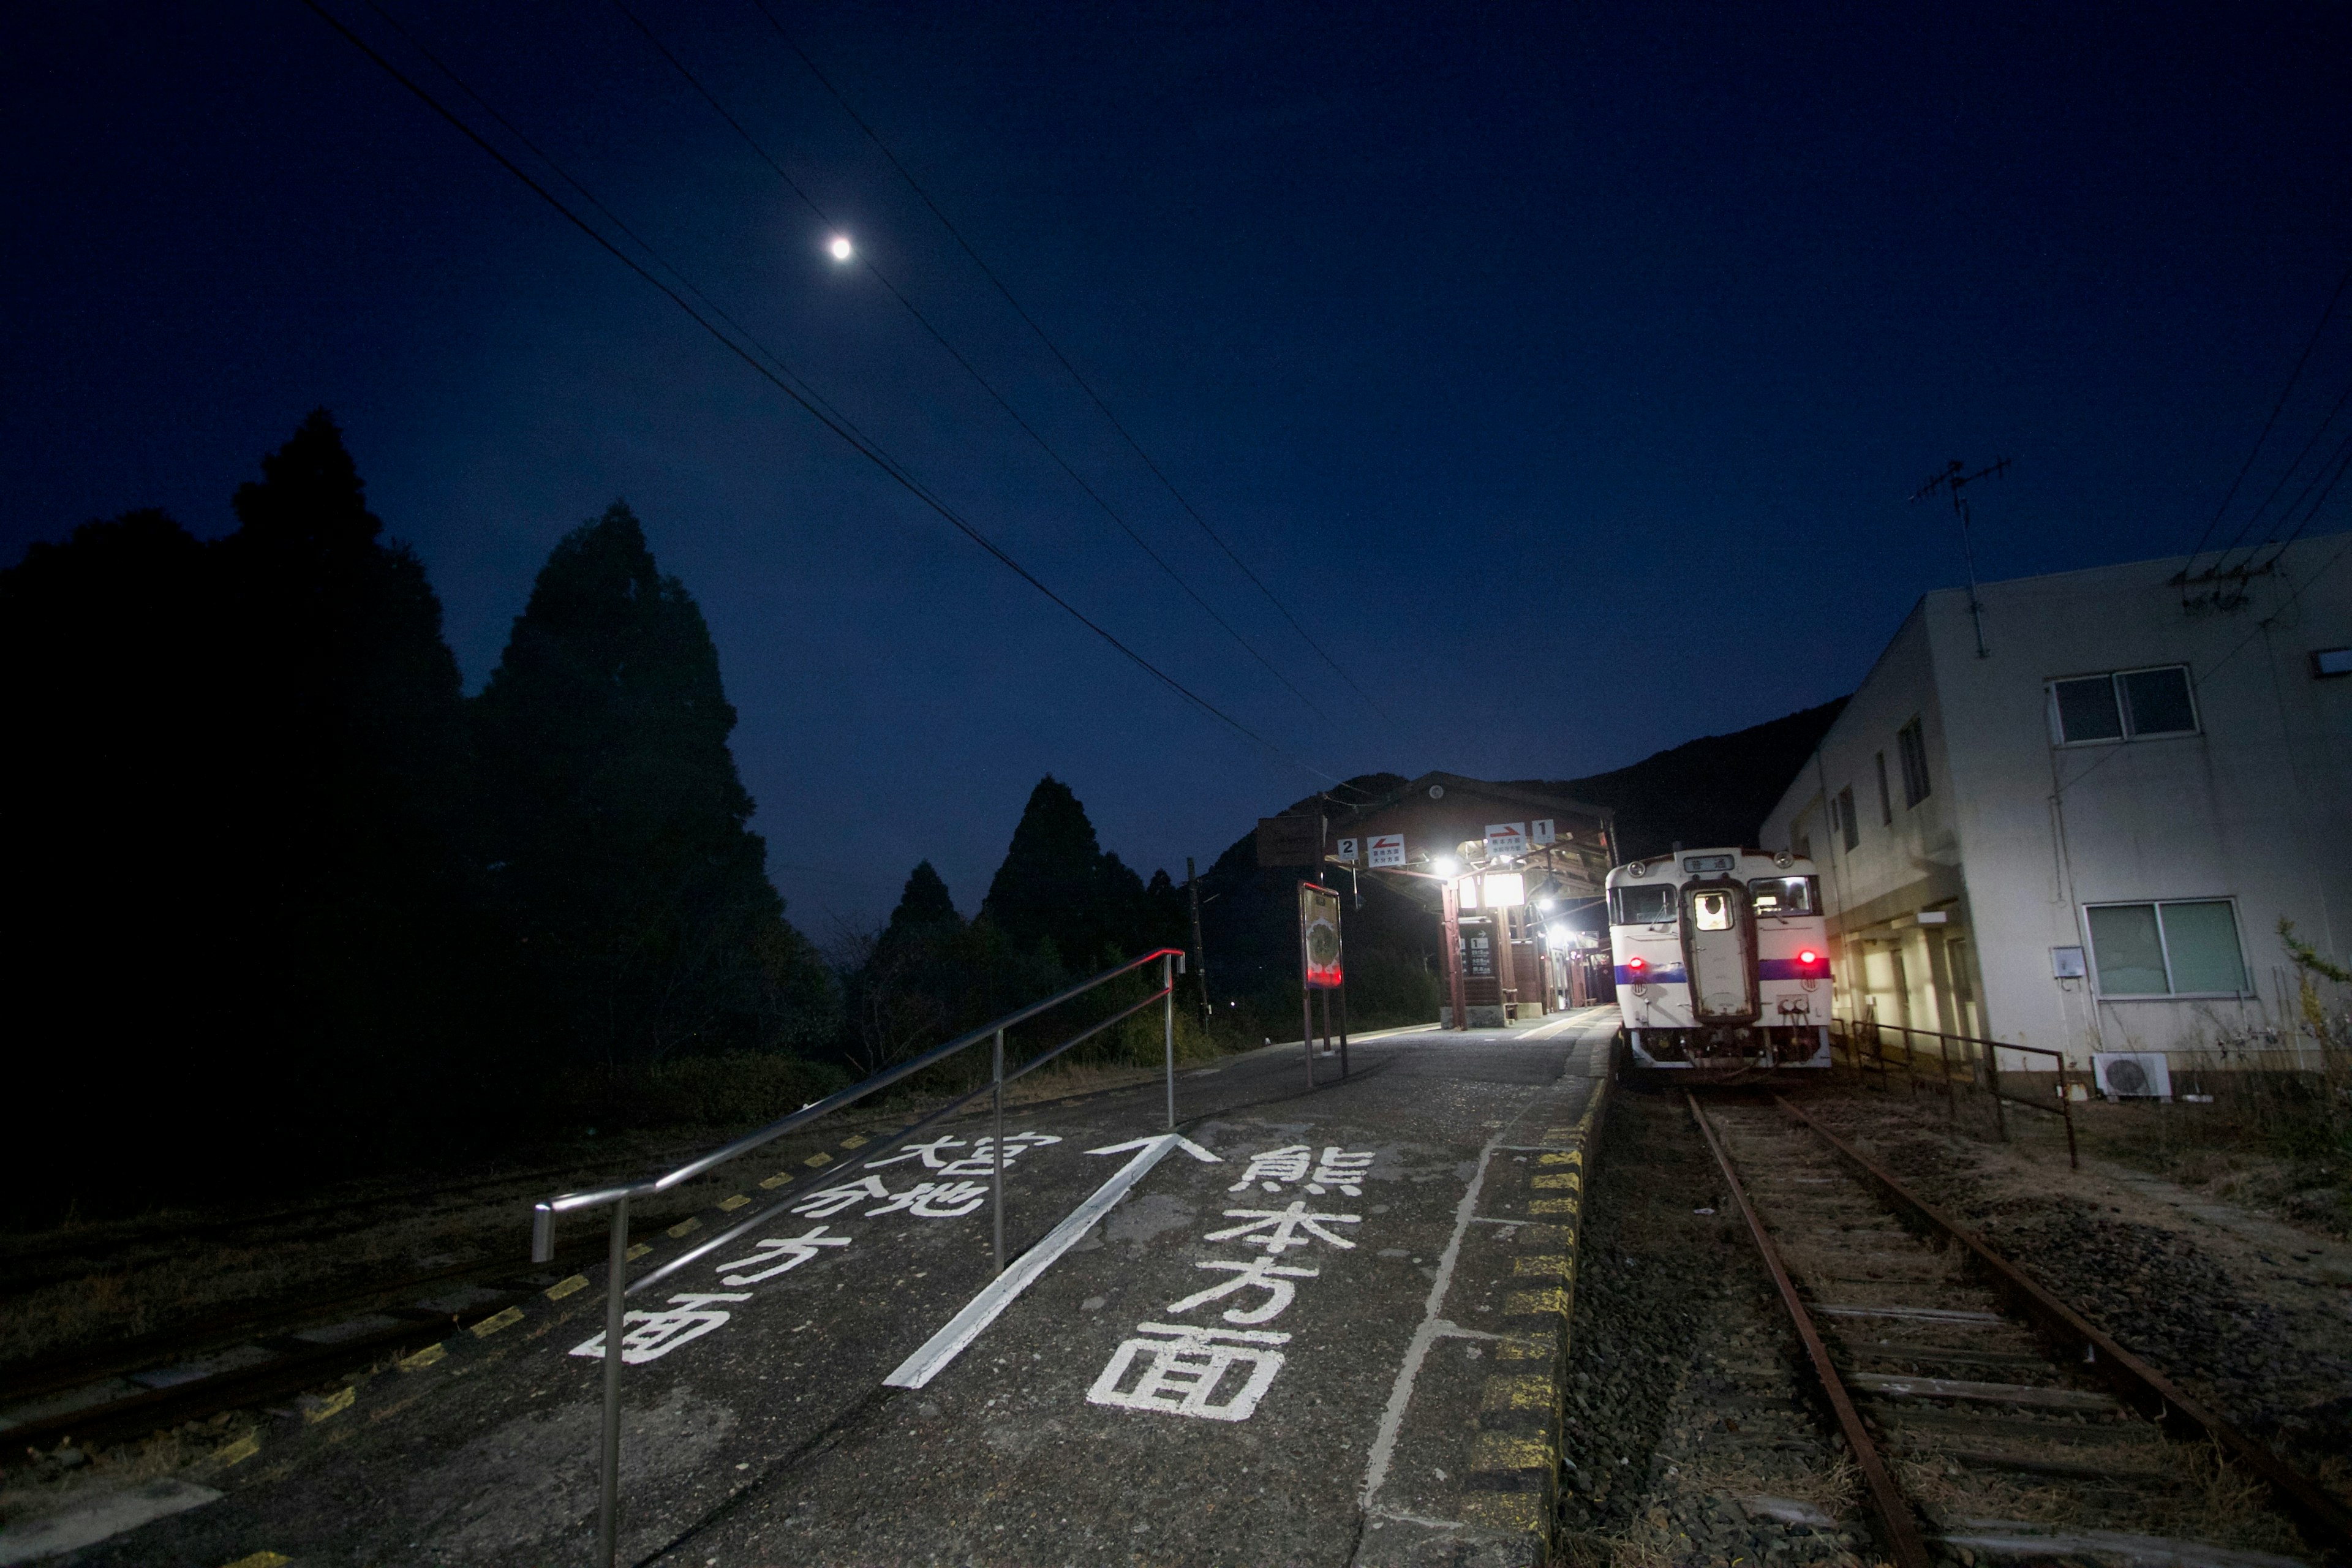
[{"x": 1719, "y": 953}]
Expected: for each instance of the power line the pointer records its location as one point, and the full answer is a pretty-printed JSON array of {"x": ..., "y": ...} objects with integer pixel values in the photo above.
[
  {"x": 2285, "y": 391},
  {"x": 2288, "y": 473},
  {"x": 2343, "y": 460},
  {"x": 864, "y": 448},
  {"x": 1063, "y": 360},
  {"x": 953, "y": 353}
]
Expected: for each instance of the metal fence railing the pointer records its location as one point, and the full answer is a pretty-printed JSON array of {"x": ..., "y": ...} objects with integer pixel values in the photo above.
[
  {"x": 618, "y": 1287},
  {"x": 1869, "y": 1049}
]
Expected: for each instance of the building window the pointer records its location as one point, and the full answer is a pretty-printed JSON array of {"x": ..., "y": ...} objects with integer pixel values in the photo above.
[
  {"x": 1885, "y": 801},
  {"x": 2124, "y": 704},
  {"x": 2183, "y": 948},
  {"x": 1847, "y": 827},
  {"x": 1913, "y": 747}
]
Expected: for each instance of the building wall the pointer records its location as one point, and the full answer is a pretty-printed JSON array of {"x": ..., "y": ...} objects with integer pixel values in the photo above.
[{"x": 2020, "y": 835}]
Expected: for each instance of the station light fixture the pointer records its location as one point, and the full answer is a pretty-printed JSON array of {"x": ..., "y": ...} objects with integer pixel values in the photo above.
[
  {"x": 1504, "y": 889},
  {"x": 1546, "y": 905},
  {"x": 1556, "y": 935},
  {"x": 1445, "y": 864}
]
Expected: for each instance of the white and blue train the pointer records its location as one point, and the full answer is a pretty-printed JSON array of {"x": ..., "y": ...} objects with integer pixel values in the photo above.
[{"x": 1722, "y": 959}]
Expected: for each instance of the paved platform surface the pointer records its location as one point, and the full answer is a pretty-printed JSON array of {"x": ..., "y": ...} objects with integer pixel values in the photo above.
[{"x": 1274, "y": 1348}]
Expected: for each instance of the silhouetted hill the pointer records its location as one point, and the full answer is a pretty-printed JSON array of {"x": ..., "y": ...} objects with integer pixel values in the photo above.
[{"x": 1714, "y": 790}]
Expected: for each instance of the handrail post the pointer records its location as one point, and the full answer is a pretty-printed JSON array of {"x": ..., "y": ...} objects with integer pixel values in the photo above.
[
  {"x": 2066, "y": 1107},
  {"x": 1951, "y": 1094},
  {"x": 996, "y": 1147},
  {"x": 1168, "y": 983},
  {"x": 1992, "y": 1081},
  {"x": 608, "y": 1479}
]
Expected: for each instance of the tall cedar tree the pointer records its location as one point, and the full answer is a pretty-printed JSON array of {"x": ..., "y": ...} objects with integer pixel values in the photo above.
[
  {"x": 345, "y": 728},
  {"x": 924, "y": 907},
  {"x": 114, "y": 943},
  {"x": 249, "y": 902},
  {"x": 1057, "y": 885},
  {"x": 616, "y": 817}
]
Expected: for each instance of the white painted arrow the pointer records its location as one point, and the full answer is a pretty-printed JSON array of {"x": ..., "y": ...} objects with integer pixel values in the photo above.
[
  {"x": 1173, "y": 1139},
  {"x": 981, "y": 1309}
]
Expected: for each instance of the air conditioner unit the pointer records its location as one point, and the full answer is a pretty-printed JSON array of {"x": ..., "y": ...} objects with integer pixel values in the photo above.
[{"x": 2131, "y": 1075}]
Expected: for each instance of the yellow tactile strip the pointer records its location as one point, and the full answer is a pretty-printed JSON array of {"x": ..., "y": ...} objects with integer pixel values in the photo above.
[
  {"x": 324, "y": 1407},
  {"x": 1513, "y": 1476}
]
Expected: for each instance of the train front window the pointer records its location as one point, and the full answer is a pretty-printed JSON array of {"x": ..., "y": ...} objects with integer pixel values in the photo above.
[
  {"x": 1783, "y": 896},
  {"x": 1711, "y": 911},
  {"x": 1651, "y": 905}
]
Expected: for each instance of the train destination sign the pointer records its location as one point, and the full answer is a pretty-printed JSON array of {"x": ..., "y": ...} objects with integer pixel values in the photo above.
[{"x": 1506, "y": 838}]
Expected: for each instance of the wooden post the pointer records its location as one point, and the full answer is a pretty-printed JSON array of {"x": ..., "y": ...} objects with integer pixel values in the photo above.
[{"x": 1453, "y": 954}]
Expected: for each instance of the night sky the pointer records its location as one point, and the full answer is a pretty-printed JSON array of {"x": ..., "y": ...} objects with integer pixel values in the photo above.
[{"x": 1564, "y": 370}]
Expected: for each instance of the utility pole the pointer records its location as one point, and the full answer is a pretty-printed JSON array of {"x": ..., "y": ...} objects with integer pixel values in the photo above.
[
  {"x": 1953, "y": 478},
  {"x": 1199, "y": 963}
]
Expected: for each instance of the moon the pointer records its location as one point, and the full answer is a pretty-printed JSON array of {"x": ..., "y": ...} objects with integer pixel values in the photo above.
[{"x": 840, "y": 247}]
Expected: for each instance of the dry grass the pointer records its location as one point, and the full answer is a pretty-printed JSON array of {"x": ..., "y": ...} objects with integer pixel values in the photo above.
[{"x": 2207, "y": 1499}]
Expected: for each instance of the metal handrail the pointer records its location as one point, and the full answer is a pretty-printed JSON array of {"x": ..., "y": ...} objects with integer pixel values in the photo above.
[
  {"x": 1878, "y": 1027},
  {"x": 618, "y": 1288}
]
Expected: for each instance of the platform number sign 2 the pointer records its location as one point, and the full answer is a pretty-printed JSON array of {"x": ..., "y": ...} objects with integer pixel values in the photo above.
[{"x": 1346, "y": 853}]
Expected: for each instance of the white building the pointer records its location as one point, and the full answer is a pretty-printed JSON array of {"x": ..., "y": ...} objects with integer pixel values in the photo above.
[{"x": 2085, "y": 836}]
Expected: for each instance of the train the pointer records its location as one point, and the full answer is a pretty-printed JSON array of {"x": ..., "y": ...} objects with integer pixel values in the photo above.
[{"x": 1722, "y": 960}]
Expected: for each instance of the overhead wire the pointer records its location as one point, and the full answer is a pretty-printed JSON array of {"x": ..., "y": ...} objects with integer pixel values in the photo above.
[
  {"x": 1063, "y": 359},
  {"x": 2343, "y": 461},
  {"x": 2284, "y": 393},
  {"x": 1034, "y": 435},
  {"x": 865, "y": 448},
  {"x": 2288, "y": 473}
]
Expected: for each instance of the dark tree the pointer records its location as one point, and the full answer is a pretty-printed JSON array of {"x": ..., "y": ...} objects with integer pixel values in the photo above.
[
  {"x": 924, "y": 905},
  {"x": 616, "y": 817},
  {"x": 114, "y": 934},
  {"x": 1057, "y": 887},
  {"x": 250, "y": 927},
  {"x": 342, "y": 724}
]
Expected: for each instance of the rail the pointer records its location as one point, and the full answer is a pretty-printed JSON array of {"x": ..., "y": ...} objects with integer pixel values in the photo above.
[
  {"x": 618, "y": 1287},
  {"x": 1860, "y": 1030},
  {"x": 2323, "y": 1518}
]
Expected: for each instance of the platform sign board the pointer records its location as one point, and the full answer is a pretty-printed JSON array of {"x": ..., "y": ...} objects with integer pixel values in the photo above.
[
  {"x": 1344, "y": 851},
  {"x": 1386, "y": 850},
  {"x": 1506, "y": 838},
  {"x": 1289, "y": 841},
  {"x": 1541, "y": 833},
  {"x": 1318, "y": 936}
]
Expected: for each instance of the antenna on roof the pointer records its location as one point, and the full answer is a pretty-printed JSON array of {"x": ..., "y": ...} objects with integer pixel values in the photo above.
[{"x": 1953, "y": 478}]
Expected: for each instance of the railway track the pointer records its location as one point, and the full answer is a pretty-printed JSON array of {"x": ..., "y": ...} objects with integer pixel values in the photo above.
[{"x": 1983, "y": 1414}]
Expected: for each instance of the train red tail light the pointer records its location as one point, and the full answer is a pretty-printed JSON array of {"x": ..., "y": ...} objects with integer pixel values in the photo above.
[
  {"x": 1637, "y": 965},
  {"x": 1808, "y": 958}
]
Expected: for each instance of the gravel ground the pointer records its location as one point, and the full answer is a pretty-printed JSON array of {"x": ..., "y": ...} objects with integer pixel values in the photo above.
[
  {"x": 1687, "y": 1430},
  {"x": 2234, "y": 1316}
]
